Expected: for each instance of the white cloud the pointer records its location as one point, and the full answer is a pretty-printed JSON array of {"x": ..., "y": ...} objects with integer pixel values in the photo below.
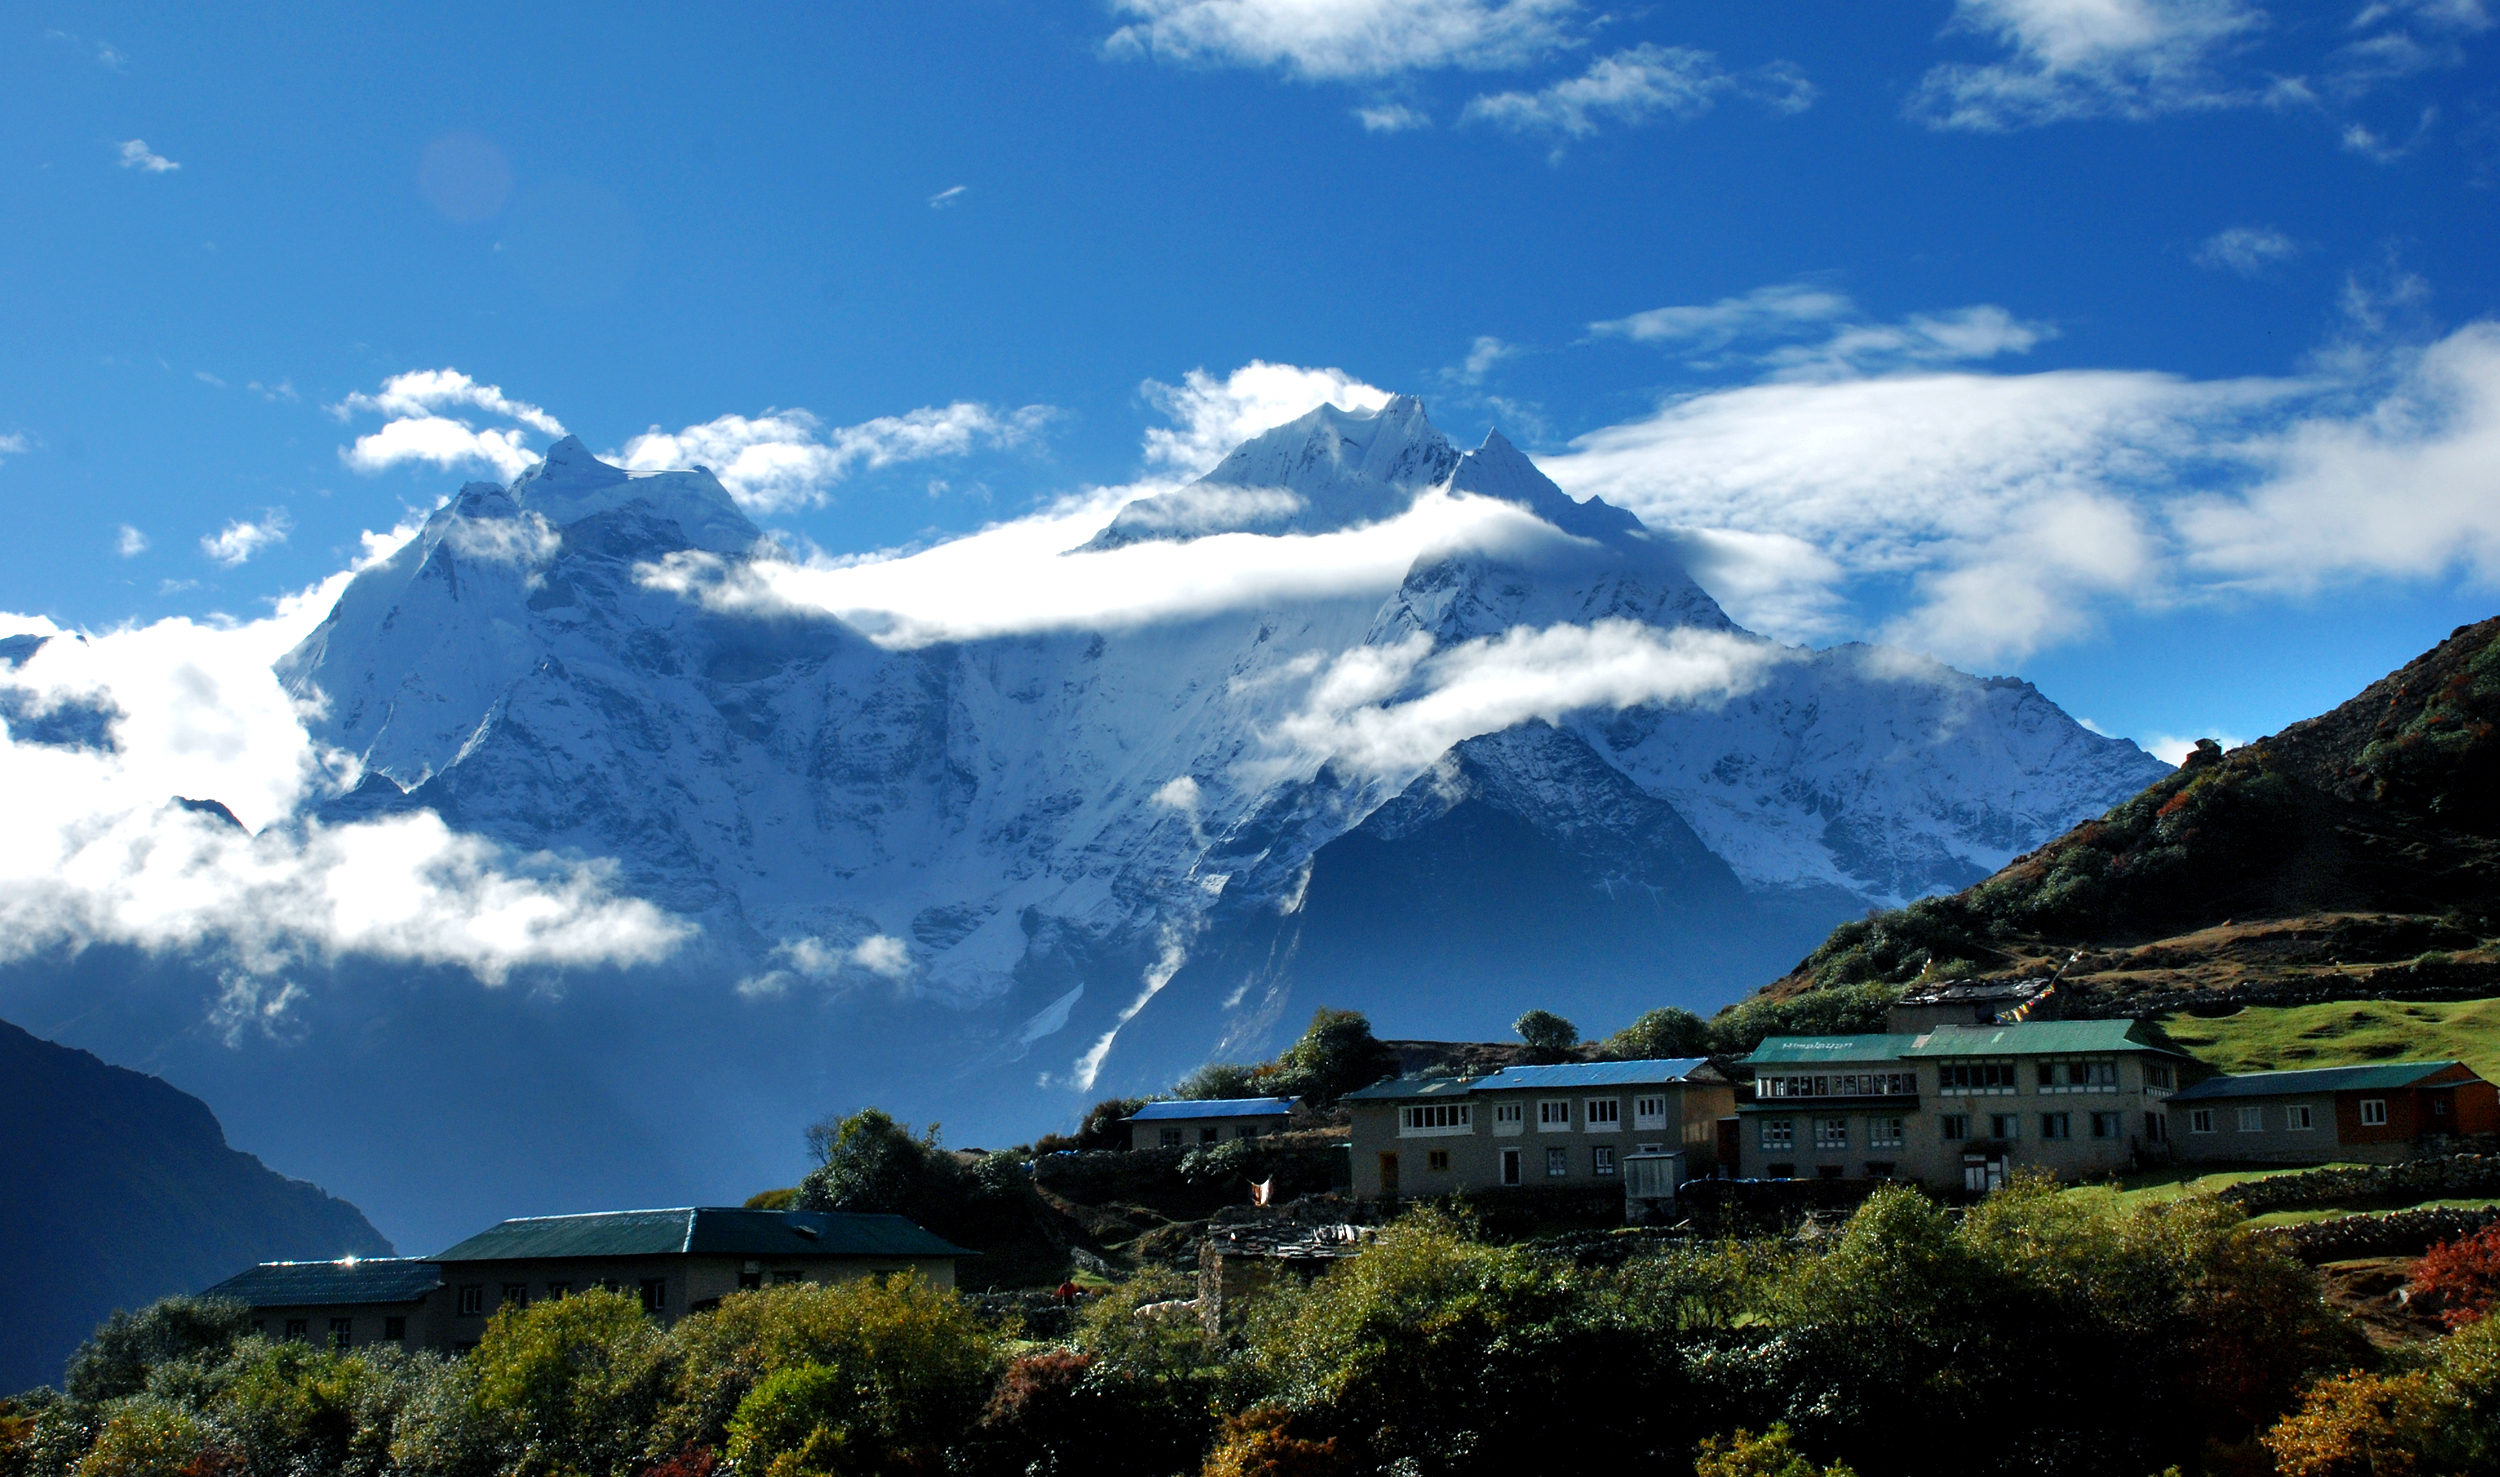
[
  {"x": 1847, "y": 345},
  {"x": 2001, "y": 513},
  {"x": 241, "y": 538},
  {"x": 1020, "y": 576},
  {"x": 1388, "y": 710},
  {"x": 135, "y": 154},
  {"x": 17, "y": 444},
  {"x": 1633, "y": 86},
  {"x": 1214, "y": 416},
  {"x": 1338, "y": 39},
  {"x": 2247, "y": 250},
  {"x": 1391, "y": 118},
  {"x": 131, "y": 543},
  {"x": 424, "y": 392},
  {"x": 92, "y": 851},
  {"x": 947, "y": 196},
  {"x": 819, "y": 961},
  {"x": 788, "y": 458},
  {"x": 2087, "y": 58},
  {"x": 2173, "y": 748}
]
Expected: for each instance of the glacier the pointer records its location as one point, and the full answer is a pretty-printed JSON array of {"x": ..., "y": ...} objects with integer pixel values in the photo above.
[{"x": 996, "y": 878}]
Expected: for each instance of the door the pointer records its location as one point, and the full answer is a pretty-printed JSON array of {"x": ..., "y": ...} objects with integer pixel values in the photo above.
[
  {"x": 1510, "y": 1166},
  {"x": 1388, "y": 1174}
]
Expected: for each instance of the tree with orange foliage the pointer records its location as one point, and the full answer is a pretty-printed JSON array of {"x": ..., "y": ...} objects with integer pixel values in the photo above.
[{"x": 2464, "y": 1273}]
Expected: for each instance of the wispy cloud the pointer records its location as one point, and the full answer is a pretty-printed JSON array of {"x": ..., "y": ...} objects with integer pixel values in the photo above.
[
  {"x": 948, "y": 196},
  {"x": 1391, "y": 118},
  {"x": 16, "y": 443},
  {"x": 1635, "y": 85},
  {"x": 2247, "y": 250},
  {"x": 1803, "y": 330},
  {"x": 422, "y": 392},
  {"x": 2086, "y": 59},
  {"x": 1213, "y": 416},
  {"x": 789, "y": 458},
  {"x": 241, "y": 538},
  {"x": 131, "y": 543},
  {"x": 135, "y": 154},
  {"x": 1346, "y": 39},
  {"x": 814, "y": 960}
]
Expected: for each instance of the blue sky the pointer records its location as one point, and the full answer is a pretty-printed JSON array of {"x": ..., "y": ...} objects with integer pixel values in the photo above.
[{"x": 2139, "y": 347}]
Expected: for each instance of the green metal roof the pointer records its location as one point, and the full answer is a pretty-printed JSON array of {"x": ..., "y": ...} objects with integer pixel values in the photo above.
[
  {"x": 1800, "y": 1051},
  {"x": 701, "y": 1231},
  {"x": 388, "y": 1279},
  {"x": 2381, "y": 1077},
  {"x": 1559, "y": 1076},
  {"x": 2035, "y": 1038}
]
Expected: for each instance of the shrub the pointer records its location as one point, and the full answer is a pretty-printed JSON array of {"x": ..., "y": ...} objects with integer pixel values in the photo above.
[
  {"x": 116, "y": 1358},
  {"x": 872, "y": 1163},
  {"x": 2465, "y": 1273},
  {"x": 1546, "y": 1033},
  {"x": 1064, "y": 1411},
  {"x": 147, "y": 1437},
  {"x": 1336, "y": 1054},
  {"x": 1665, "y": 1032},
  {"x": 295, "y": 1409},
  {"x": 2356, "y": 1425},
  {"x": 1105, "y": 1125},
  {"x": 1260, "y": 1442},
  {"x": 1219, "y": 1080},
  {"x": 571, "y": 1385},
  {"x": 797, "y": 1423},
  {"x": 1771, "y": 1454}
]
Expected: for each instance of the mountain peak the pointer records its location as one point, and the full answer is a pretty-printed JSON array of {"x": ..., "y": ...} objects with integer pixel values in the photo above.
[{"x": 571, "y": 484}]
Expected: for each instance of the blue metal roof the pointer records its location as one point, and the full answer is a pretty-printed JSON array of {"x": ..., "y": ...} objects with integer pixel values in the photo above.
[
  {"x": 2381, "y": 1076},
  {"x": 386, "y": 1279},
  {"x": 1656, "y": 1071},
  {"x": 703, "y": 1231},
  {"x": 1216, "y": 1107}
]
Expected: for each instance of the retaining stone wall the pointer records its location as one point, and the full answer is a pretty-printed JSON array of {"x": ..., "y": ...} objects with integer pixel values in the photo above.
[
  {"x": 2400, "y": 1233},
  {"x": 2447, "y": 1177}
]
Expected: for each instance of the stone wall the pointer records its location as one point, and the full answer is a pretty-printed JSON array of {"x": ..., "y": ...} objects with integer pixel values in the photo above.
[
  {"x": 2446, "y": 1177},
  {"x": 2399, "y": 1233}
]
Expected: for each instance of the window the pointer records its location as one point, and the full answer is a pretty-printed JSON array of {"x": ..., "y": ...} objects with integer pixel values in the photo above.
[
  {"x": 1510, "y": 1166},
  {"x": 2252, "y": 1120},
  {"x": 559, "y": 1290},
  {"x": 1210, "y": 1135},
  {"x": 655, "y": 1294},
  {"x": 1975, "y": 1077},
  {"x": 2297, "y": 1118},
  {"x": 1602, "y": 1160},
  {"x": 1839, "y": 1084},
  {"x": 1649, "y": 1112},
  {"x": 395, "y": 1330},
  {"x": 1246, "y": 1131},
  {"x": 340, "y": 1331},
  {"x": 2200, "y": 1120},
  {"x": 295, "y": 1328},
  {"x": 1438, "y": 1159},
  {"x": 516, "y": 1294},
  {"x": 2439, "y": 1107},
  {"x": 2057, "y": 1125},
  {"x": 1883, "y": 1133},
  {"x": 786, "y": 1278},
  {"x": 2105, "y": 1125},
  {"x": 1778, "y": 1133},
  {"x": 1954, "y": 1127},
  {"x": 472, "y": 1301},
  {"x": 1435, "y": 1118},
  {"x": 2090, "y": 1075},
  {"x": 1169, "y": 1138},
  {"x": 2157, "y": 1074},
  {"x": 2374, "y": 1112},
  {"x": 1509, "y": 1113},
  {"x": 1553, "y": 1114},
  {"x": 2006, "y": 1126},
  {"x": 1831, "y": 1133},
  {"x": 2157, "y": 1128},
  {"x": 1605, "y": 1114},
  {"x": 751, "y": 1281},
  {"x": 1557, "y": 1163}
]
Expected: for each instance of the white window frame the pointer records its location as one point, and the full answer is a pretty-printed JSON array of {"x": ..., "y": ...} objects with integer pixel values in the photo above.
[
  {"x": 1169, "y": 1138},
  {"x": 1510, "y": 1118},
  {"x": 2057, "y": 1127},
  {"x": 1779, "y": 1133},
  {"x": 1557, "y": 1163},
  {"x": 1435, "y": 1120},
  {"x": 1553, "y": 1115},
  {"x": 1998, "y": 1121},
  {"x": 1831, "y": 1134},
  {"x": 1602, "y": 1161},
  {"x": 2374, "y": 1112},
  {"x": 2110, "y": 1119},
  {"x": 1885, "y": 1133},
  {"x": 2298, "y": 1118},
  {"x": 1602, "y": 1115},
  {"x": 2200, "y": 1120},
  {"x": 1649, "y": 1112},
  {"x": 2253, "y": 1120}
]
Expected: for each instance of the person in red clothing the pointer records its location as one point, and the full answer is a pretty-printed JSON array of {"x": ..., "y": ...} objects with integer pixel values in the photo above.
[{"x": 1067, "y": 1292}]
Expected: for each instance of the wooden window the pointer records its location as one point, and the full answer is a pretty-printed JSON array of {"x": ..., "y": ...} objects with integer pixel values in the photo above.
[
  {"x": 341, "y": 1331},
  {"x": 2105, "y": 1125},
  {"x": 2298, "y": 1117},
  {"x": 2200, "y": 1120},
  {"x": 516, "y": 1294},
  {"x": 1604, "y": 1113},
  {"x": 1778, "y": 1133},
  {"x": 2252, "y": 1120},
  {"x": 1430, "y": 1118},
  {"x": 655, "y": 1294},
  {"x": 1557, "y": 1163},
  {"x": 1602, "y": 1161},
  {"x": 1169, "y": 1138},
  {"x": 472, "y": 1300},
  {"x": 2374, "y": 1112},
  {"x": 2005, "y": 1126},
  {"x": 1954, "y": 1127},
  {"x": 1884, "y": 1133},
  {"x": 1553, "y": 1113},
  {"x": 1831, "y": 1133},
  {"x": 1438, "y": 1159},
  {"x": 2057, "y": 1125}
]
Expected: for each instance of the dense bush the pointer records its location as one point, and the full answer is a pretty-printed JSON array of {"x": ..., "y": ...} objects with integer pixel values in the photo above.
[
  {"x": 1842, "y": 1010},
  {"x": 1220, "y": 1080},
  {"x": 2464, "y": 1275},
  {"x": 1666, "y": 1032},
  {"x": 1547, "y": 1034},
  {"x": 1336, "y": 1054}
]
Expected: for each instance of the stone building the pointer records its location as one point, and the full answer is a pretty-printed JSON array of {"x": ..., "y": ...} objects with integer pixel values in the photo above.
[
  {"x": 2381, "y": 1112},
  {"x": 1567, "y": 1126},
  {"x": 1184, "y": 1123}
]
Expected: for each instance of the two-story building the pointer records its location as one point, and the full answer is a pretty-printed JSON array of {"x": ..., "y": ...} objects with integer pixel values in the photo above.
[
  {"x": 1185, "y": 1123},
  {"x": 2381, "y": 1112},
  {"x": 674, "y": 1261},
  {"x": 1522, "y": 1127},
  {"x": 1957, "y": 1107}
]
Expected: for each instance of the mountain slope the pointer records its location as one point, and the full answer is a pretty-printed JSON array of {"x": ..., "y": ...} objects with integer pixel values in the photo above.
[
  {"x": 122, "y": 1190},
  {"x": 2309, "y": 861}
]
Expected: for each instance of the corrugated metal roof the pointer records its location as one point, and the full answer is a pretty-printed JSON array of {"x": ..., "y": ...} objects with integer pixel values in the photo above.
[
  {"x": 389, "y": 1279},
  {"x": 1791, "y": 1051},
  {"x": 702, "y": 1231},
  {"x": 1221, "y": 1107},
  {"x": 2034, "y": 1038},
  {"x": 1562, "y": 1075},
  {"x": 2313, "y": 1079}
]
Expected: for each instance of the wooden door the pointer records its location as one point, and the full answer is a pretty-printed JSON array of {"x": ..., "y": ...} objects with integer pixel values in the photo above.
[{"x": 1388, "y": 1174}]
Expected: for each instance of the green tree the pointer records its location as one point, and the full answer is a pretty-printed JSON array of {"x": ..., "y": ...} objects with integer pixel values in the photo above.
[
  {"x": 1105, "y": 1125},
  {"x": 1336, "y": 1055},
  {"x": 1665, "y": 1032},
  {"x": 144, "y": 1436},
  {"x": 1218, "y": 1080},
  {"x": 116, "y": 1358},
  {"x": 1772, "y": 1454},
  {"x": 573, "y": 1385},
  {"x": 872, "y": 1163},
  {"x": 1546, "y": 1033}
]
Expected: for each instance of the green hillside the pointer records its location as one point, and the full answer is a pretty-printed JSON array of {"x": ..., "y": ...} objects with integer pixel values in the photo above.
[{"x": 2346, "y": 1033}]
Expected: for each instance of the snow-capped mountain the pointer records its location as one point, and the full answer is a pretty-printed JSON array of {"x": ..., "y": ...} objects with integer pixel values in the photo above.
[{"x": 1097, "y": 842}]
